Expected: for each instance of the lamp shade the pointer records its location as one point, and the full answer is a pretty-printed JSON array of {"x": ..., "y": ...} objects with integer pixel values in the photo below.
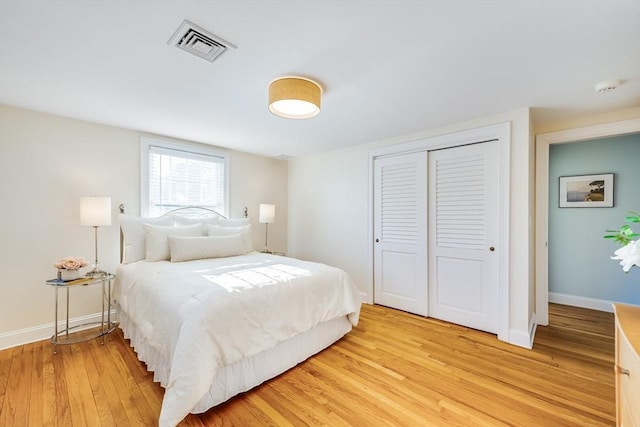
[
  {"x": 267, "y": 213},
  {"x": 294, "y": 97},
  {"x": 95, "y": 211}
]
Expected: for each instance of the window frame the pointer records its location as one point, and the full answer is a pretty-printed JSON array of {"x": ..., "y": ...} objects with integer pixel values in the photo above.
[{"x": 196, "y": 149}]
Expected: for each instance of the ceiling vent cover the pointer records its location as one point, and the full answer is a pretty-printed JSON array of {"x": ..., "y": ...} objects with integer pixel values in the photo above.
[{"x": 198, "y": 41}]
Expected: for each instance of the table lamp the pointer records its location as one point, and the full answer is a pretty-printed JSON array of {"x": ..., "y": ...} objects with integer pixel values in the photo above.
[
  {"x": 94, "y": 212},
  {"x": 267, "y": 216}
]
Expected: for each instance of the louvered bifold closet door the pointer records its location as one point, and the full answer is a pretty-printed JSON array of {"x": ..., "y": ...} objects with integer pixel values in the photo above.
[
  {"x": 400, "y": 227},
  {"x": 463, "y": 227}
]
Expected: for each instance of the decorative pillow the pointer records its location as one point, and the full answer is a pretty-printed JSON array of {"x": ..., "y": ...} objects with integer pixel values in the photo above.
[
  {"x": 133, "y": 235},
  {"x": 203, "y": 247},
  {"x": 233, "y": 222},
  {"x": 245, "y": 231},
  {"x": 157, "y": 246}
]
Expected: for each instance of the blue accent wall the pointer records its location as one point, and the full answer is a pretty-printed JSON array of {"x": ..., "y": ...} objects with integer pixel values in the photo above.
[{"x": 579, "y": 257}]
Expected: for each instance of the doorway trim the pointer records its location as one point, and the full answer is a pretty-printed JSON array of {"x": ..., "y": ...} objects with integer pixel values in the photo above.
[
  {"x": 543, "y": 141},
  {"x": 501, "y": 132}
]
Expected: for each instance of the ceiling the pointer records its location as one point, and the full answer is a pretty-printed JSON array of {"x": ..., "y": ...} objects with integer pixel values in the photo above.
[{"x": 388, "y": 68}]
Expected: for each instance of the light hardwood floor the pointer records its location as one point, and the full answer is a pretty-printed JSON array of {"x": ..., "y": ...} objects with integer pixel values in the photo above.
[{"x": 393, "y": 369}]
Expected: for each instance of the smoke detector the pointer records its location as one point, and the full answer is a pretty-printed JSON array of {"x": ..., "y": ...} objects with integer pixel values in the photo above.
[
  {"x": 607, "y": 86},
  {"x": 199, "y": 42}
]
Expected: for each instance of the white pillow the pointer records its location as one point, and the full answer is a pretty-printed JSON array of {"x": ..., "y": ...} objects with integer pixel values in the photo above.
[
  {"x": 203, "y": 247},
  {"x": 133, "y": 235},
  {"x": 157, "y": 246},
  {"x": 181, "y": 220},
  {"x": 245, "y": 231},
  {"x": 233, "y": 222}
]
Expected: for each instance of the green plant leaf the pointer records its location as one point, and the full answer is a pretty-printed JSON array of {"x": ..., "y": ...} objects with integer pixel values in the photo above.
[{"x": 625, "y": 234}]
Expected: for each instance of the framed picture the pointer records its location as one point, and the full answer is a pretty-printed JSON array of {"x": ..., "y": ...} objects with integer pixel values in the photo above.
[{"x": 586, "y": 191}]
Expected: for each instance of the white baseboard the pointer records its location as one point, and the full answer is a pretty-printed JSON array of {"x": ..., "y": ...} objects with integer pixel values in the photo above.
[
  {"x": 365, "y": 298},
  {"x": 584, "y": 302},
  {"x": 524, "y": 338},
  {"x": 43, "y": 332}
]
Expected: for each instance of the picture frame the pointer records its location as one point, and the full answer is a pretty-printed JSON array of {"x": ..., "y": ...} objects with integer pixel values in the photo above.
[{"x": 586, "y": 191}]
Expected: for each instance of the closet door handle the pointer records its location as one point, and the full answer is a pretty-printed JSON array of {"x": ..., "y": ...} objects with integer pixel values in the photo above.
[
  {"x": 491, "y": 249},
  {"x": 377, "y": 240}
]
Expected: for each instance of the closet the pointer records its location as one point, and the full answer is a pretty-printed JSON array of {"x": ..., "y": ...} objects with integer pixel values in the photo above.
[{"x": 437, "y": 228}]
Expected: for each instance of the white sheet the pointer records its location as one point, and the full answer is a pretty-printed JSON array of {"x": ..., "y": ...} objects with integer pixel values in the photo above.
[{"x": 201, "y": 315}]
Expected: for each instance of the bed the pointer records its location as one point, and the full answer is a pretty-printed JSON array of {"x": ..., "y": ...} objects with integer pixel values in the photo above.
[{"x": 213, "y": 318}]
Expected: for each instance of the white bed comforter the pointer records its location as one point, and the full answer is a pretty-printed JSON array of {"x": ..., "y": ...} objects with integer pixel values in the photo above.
[{"x": 200, "y": 315}]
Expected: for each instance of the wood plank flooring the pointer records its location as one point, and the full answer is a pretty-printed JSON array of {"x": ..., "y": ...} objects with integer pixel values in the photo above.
[{"x": 394, "y": 369}]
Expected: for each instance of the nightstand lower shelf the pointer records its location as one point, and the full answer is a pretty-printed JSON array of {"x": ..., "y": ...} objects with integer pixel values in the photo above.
[{"x": 82, "y": 333}]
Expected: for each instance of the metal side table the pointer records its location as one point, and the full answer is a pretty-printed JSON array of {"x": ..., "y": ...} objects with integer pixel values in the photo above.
[{"x": 66, "y": 336}]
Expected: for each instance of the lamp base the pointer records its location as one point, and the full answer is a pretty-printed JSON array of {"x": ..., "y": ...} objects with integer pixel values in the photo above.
[{"x": 266, "y": 251}]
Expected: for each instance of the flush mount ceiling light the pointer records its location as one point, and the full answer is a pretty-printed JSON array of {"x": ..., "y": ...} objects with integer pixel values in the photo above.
[
  {"x": 607, "y": 86},
  {"x": 294, "y": 97}
]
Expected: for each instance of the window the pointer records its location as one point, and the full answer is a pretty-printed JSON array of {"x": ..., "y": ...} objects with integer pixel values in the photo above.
[{"x": 176, "y": 175}]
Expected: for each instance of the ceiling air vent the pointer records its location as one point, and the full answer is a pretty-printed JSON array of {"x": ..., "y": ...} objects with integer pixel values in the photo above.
[{"x": 198, "y": 41}]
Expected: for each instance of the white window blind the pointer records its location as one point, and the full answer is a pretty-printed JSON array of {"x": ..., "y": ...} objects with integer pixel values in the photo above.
[{"x": 183, "y": 176}]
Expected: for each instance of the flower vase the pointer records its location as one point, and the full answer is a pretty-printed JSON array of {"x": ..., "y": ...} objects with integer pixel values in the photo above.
[{"x": 67, "y": 275}]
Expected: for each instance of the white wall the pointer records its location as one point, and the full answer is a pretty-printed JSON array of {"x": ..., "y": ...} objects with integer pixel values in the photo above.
[
  {"x": 328, "y": 210},
  {"x": 329, "y": 205},
  {"x": 46, "y": 164},
  {"x": 254, "y": 180}
]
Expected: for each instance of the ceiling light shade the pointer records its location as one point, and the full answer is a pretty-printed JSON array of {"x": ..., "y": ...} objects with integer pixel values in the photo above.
[{"x": 294, "y": 97}]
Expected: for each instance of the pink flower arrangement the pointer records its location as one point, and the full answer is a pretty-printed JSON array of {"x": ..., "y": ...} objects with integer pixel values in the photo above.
[{"x": 71, "y": 263}]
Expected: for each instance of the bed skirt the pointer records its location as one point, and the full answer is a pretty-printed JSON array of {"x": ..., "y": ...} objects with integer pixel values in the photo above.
[{"x": 244, "y": 374}]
